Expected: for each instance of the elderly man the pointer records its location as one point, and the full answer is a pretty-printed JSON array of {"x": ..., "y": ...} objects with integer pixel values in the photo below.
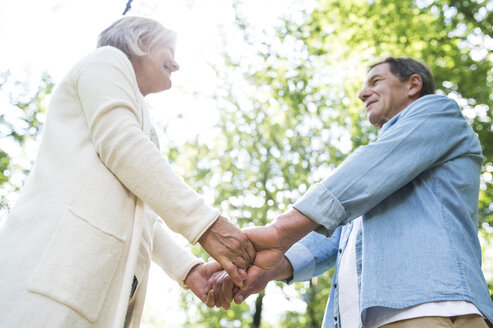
[{"x": 401, "y": 214}]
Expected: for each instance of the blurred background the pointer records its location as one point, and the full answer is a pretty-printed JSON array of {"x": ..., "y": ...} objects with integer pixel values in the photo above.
[{"x": 264, "y": 105}]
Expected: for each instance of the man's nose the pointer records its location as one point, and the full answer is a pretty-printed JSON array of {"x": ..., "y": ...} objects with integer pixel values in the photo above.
[{"x": 364, "y": 94}]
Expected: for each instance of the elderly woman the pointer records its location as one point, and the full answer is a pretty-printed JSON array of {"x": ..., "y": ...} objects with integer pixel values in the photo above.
[{"x": 76, "y": 248}]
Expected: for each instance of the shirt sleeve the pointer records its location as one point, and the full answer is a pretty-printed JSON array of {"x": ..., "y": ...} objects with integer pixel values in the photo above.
[
  {"x": 110, "y": 100},
  {"x": 429, "y": 132},
  {"x": 313, "y": 255}
]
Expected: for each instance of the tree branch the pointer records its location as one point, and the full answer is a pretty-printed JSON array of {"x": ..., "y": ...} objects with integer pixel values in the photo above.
[{"x": 127, "y": 7}]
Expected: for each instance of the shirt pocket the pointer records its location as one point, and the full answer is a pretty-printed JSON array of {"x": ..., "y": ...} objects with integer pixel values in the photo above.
[{"x": 78, "y": 265}]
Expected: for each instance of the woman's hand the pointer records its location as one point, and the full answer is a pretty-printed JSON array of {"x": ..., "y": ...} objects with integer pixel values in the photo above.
[
  {"x": 198, "y": 281},
  {"x": 229, "y": 246},
  {"x": 223, "y": 289},
  {"x": 269, "y": 264}
]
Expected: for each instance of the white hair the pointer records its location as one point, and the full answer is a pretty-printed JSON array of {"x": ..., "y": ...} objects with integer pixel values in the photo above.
[{"x": 135, "y": 36}]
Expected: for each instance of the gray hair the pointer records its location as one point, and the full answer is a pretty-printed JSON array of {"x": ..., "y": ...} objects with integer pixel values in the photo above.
[
  {"x": 404, "y": 67},
  {"x": 135, "y": 36}
]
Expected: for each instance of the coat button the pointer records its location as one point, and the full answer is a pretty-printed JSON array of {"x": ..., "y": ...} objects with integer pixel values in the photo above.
[
  {"x": 335, "y": 285},
  {"x": 340, "y": 250}
]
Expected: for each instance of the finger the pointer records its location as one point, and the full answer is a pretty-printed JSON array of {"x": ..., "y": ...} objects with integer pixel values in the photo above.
[
  {"x": 232, "y": 271},
  {"x": 241, "y": 296},
  {"x": 212, "y": 281},
  {"x": 251, "y": 252},
  {"x": 218, "y": 291},
  {"x": 214, "y": 267},
  {"x": 252, "y": 285},
  {"x": 210, "y": 284},
  {"x": 243, "y": 274},
  {"x": 240, "y": 262},
  {"x": 224, "y": 303},
  {"x": 217, "y": 301},
  {"x": 223, "y": 295},
  {"x": 210, "y": 301},
  {"x": 254, "y": 273},
  {"x": 227, "y": 290}
]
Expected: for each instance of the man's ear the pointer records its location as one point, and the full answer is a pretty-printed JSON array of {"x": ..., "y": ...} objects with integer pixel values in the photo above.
[{"x": 415, "y": 85}]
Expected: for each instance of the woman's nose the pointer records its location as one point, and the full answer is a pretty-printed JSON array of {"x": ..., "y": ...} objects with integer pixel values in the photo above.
[{"x": 172, "y": 66}]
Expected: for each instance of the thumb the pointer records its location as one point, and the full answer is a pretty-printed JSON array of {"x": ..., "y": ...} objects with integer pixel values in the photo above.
[
  {"x": 213, "y": 267},
  {"x": 253, "y": 284},
  {"x": 233, "y": 272},
  {"x": 242, "y": 295},
  {"x": 211, "y": 299}
]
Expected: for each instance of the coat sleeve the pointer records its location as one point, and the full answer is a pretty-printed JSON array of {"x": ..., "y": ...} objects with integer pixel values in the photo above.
[
  {"x": 174, "y": 259},
  {"x": 110, "y": 99}
]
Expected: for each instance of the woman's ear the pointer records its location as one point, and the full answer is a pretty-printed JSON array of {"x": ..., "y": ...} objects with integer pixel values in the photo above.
[{"x": 415, "y": 85}]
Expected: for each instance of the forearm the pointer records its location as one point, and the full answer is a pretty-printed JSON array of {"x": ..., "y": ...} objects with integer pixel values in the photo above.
[{"x": 292, "y": 226}]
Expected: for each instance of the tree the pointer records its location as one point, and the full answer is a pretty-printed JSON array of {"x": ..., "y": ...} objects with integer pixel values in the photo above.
[
  {"x": 20, "y": 124},
  {"x": 294, "y": 115}
]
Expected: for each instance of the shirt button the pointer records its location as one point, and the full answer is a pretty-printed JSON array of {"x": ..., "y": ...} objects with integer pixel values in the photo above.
[
  {"x": 335, "y": 318},
  {"x": 335, "y": 285},
  {"x": 340, "y": 250}
]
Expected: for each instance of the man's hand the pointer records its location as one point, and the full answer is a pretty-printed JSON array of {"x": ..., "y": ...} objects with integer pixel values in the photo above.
[
  {"x": 269, "y": 252},
  {"x": 272, "y": 241},
  {"x": 267, "y": 242},
  {"x": 224, "y": 288},
  {"x": 281, "y": 271},
  {"x": 229, "y": 246}
]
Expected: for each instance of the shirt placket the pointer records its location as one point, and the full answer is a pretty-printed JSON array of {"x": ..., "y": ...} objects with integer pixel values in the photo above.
[{"x": 335, "y": 288}]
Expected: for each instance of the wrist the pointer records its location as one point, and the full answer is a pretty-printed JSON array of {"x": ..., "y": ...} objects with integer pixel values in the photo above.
[
  {"x": 211, "y": 230},
  {"x": 283, "y": 270},
  {"x": 188, "y": 279},
  {"x": 292, "y": 226}
]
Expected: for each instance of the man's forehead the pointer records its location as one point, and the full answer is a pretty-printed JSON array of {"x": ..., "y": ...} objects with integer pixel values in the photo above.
[{"x": 379, "y": 70}]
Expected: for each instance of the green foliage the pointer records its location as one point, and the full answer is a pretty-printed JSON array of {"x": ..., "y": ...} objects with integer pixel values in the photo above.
[
  {"x": 20, "y": 122},
  {"x": 199, "y": 315},
  {"x": 295, "y": 114},
  {"x": 450, "y": 36}
]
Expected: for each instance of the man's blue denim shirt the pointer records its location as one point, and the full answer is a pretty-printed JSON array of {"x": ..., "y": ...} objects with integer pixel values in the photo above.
[{"x": 416, "y": 188}]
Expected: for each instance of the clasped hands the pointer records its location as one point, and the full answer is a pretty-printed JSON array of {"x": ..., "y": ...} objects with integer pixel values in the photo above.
[{"x": 246, "y": 259}]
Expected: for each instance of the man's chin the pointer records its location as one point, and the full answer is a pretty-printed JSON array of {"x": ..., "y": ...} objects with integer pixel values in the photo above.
[{"x": 372, "y": 119}]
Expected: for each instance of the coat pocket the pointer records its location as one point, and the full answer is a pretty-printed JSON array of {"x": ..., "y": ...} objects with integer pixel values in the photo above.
[{"x": 78, "y": 265}]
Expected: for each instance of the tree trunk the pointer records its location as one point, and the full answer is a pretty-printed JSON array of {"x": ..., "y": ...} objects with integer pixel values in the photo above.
[
  {"x": 312, "y": 314},
  {"x": 257, "y": 316}
]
